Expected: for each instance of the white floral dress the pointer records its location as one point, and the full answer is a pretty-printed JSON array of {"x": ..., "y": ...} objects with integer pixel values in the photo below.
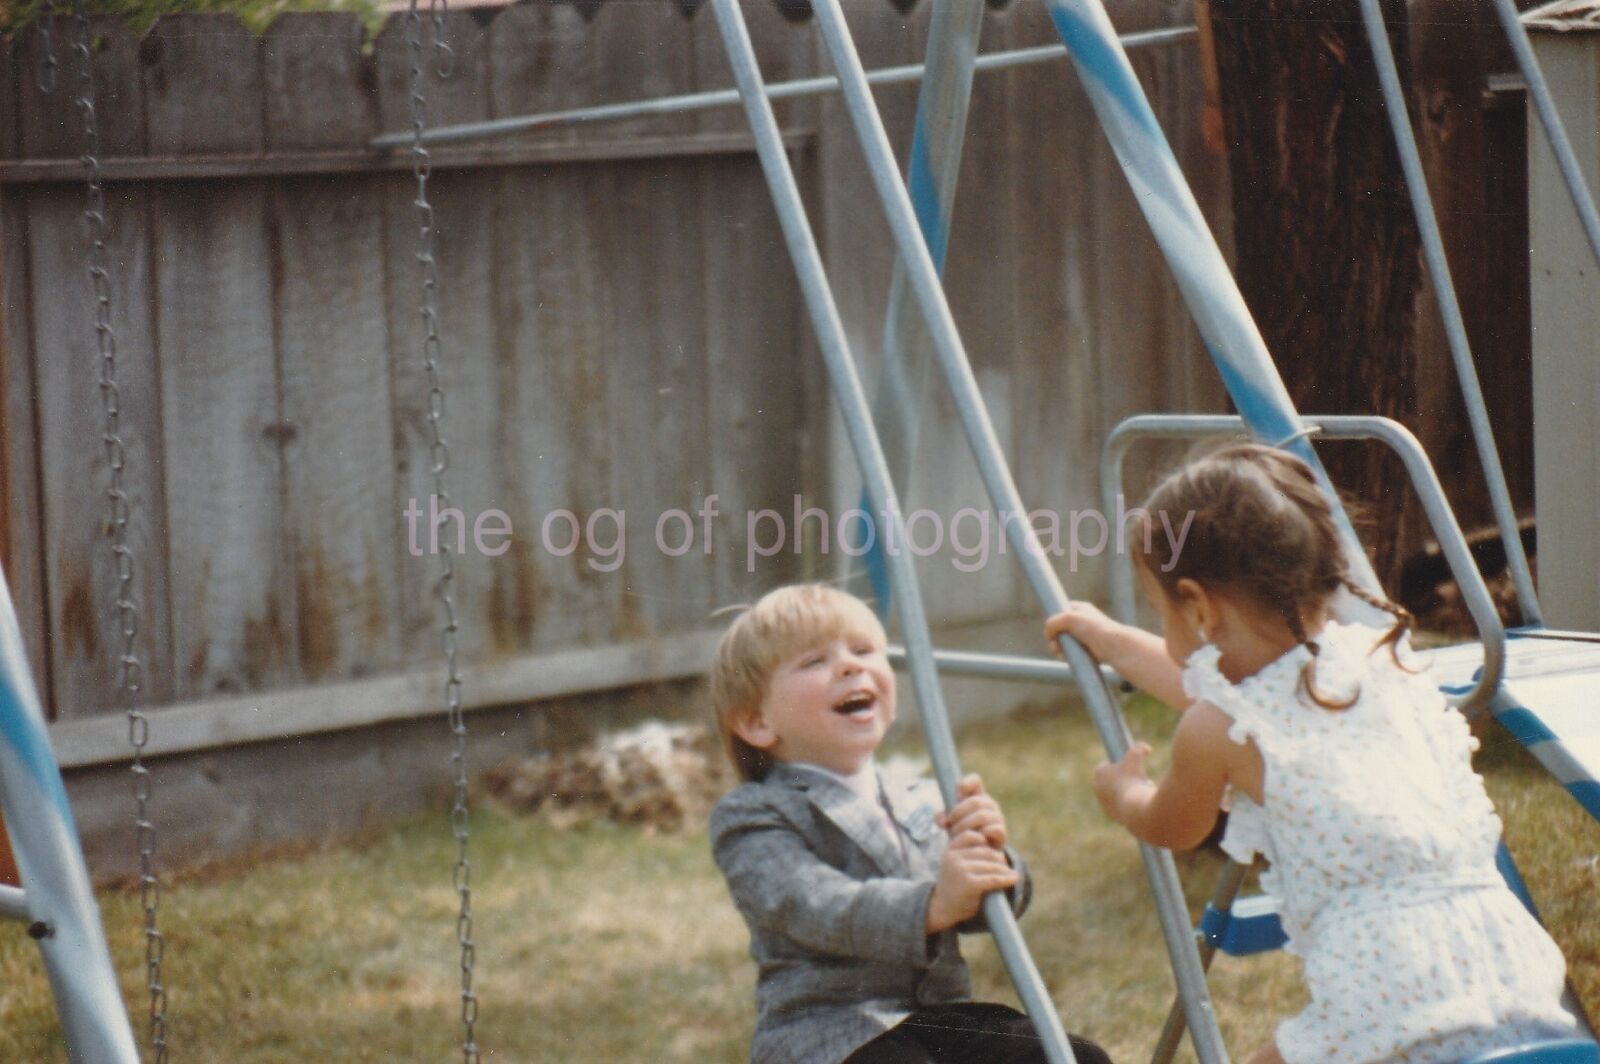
[{"x": 1382, "y": 843}]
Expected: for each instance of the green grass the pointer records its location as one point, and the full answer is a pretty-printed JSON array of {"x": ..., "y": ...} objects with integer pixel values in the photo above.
[{"x": 605, "y": 943}]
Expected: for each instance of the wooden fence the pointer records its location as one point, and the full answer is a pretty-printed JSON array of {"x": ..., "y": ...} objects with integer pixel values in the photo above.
[{"x": 622, "y": 332}]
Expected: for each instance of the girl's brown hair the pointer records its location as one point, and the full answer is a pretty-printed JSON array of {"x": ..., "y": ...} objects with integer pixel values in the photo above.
[{"x": 1261, "y": 529}]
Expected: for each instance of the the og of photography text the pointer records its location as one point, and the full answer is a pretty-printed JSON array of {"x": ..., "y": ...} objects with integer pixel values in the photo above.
[{"x": 970, "y": 537}]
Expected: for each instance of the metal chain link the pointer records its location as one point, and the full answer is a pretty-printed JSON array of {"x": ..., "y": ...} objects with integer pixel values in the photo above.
[
  {"x": 45, "y": 75},
  {"x": 444, "y": 56},
  {"x": 439, "y": 456},
  {"x": 130, "y": 669}
]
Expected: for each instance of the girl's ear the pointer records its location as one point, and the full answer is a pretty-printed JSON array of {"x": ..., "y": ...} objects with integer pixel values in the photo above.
[
  {"x": 1198, "y": 605},
  {"x": 753, "y": 728}
]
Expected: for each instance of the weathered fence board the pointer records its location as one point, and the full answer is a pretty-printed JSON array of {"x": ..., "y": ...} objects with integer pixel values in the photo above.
[
  {"x": 1207, "y": 176},
  {"x": 756, "y": 391},
  {"x": 233, "y": 607},
  {"x": 80, "y": 571},
  {"x": 50, "y": 124},
  {"x": 311, "y": 62},
  {"x": 553, "y": 450},
  {"x": 202, "y": 74},
  {"x": 640, "y": 51},
  {"x": 334, "y": 424},
  {"x": 21, "y": 546},
  {"x": 656, "y": 385},
  {"x": 1057, "y": 358},
  {"x": 335, "y": 427},
  {"x": 1128, "y": 305}
]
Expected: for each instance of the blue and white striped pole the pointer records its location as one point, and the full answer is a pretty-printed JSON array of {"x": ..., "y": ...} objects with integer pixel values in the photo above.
[
  {"x": 61, "y": 909},
  {"x": 1202, "y": 274},
  {"x": 936, "y": 140}
]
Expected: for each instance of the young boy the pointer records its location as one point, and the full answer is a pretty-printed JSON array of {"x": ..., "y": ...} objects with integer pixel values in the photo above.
[{"x": 853, "y": 887}]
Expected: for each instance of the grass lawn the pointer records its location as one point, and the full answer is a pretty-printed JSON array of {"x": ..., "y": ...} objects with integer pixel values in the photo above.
[{"x": 606, "y": 944}]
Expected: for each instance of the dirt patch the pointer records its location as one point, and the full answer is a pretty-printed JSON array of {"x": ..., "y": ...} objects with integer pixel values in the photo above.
[{"x": 657, "y": 775}]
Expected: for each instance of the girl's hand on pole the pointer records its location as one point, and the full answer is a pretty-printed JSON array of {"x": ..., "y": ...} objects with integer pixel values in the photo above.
[
  {"x": 1085, "y": 622},
  {"x": 1115, "y": 784}
]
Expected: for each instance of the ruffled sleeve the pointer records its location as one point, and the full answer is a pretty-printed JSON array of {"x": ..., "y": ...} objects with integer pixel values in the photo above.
[{"x": 1203, "y": 682}]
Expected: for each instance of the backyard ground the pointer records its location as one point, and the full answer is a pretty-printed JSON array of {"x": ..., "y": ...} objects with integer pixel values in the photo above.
[{"x": 605, "y": 943}]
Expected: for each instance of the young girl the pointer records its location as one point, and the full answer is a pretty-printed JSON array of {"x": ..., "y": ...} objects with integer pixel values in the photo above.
[{"x": 1346, "y": 770}]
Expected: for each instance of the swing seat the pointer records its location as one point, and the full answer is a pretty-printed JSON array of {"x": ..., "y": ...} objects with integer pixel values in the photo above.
[
  {"x": 1555, "y": 1051},
  {"x": 1251, "y": 925}
]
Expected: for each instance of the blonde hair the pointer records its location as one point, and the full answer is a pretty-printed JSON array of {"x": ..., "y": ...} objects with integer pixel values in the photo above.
[{"x": 784, "y": 622}]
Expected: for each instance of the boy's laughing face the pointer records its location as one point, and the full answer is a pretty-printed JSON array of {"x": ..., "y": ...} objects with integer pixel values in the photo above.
[{"x": 828, "y": 704}]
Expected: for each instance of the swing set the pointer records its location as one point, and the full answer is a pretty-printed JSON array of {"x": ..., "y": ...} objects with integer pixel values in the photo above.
[{"x": 1540, "y": 684}]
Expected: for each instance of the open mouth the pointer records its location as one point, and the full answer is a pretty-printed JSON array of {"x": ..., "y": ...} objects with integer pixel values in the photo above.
[{"x": 860, "y": 703}]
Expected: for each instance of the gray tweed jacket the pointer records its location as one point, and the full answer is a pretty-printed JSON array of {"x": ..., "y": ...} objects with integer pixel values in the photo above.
[{"x": 837, "y": 910}]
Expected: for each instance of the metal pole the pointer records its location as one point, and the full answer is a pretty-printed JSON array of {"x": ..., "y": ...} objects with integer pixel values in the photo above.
[
  {"x": 953, "y": 363},
  {"x": 1233, "y": 875},
  {"x": 1003, "y": 666},
  {"x": 714, "y": 98},
  {"x": 853, "y": 405},
  {"x": 1450, "y": 310},
  {"x": 1550, "y": 118},
  {"x": 1208, "y": 287},
  {"x": 60, "y": 906},
  {"x": 931, "y": 174}
]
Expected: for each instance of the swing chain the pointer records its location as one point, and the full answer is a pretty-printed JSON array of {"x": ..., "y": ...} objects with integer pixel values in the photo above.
[
  {"x": 444, "y": 56},
  {"x": 130, "y": 668},
  {"x": 45, "y": 75},
  {"x": 439, "y": 461}
]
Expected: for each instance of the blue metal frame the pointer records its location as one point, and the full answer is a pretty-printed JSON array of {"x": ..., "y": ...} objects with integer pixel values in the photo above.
[
  {"x": 1450, "y": 309},
  {"x": 952, "y": 360},
  {"x": 931, "y": 174},
  {"x": 56, "y": 899},
  {"x": 848, "y": 391}
]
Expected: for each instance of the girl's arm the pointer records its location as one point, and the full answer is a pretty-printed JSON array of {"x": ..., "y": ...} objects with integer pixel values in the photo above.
[
  {"x": 1179, "y": 811},
  {"x": 1138, "y": 655}
]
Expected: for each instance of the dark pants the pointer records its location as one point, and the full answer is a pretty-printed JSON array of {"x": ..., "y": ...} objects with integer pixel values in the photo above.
[{"x": 968, "y": 1033}]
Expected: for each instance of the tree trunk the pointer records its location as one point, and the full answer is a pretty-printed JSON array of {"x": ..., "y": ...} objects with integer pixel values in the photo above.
[{"x": 1327, "y": 246}]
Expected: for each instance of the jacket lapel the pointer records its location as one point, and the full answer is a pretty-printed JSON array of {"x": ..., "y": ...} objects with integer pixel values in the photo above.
[
  {"x": 914, "y": 806},
  {"x": 860, "y": 822}
]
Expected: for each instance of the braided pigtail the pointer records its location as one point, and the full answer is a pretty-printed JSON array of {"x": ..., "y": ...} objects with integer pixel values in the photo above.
[
  {"x": 1403, "y": 620},
  {"x": 1308, "y": 672}
]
